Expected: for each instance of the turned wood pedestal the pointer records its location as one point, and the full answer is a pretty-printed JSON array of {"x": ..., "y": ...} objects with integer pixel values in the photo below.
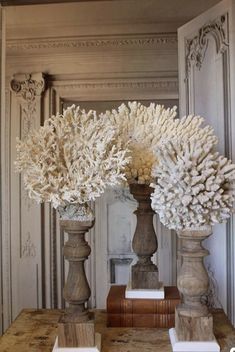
[
  {"x": 193, "y": 322},
  {"x": 144, "y": 274},
  {"x": 76, "y": 326}
]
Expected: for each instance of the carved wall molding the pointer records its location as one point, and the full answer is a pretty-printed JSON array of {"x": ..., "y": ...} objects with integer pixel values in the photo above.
[
  {"x": 155, "y": 41},
  {"x": 28, "y": 87},
  {"x": 197, "y": 46},
  {"x": 29, "y": 249},
  {"x": 159, "y": 84}
]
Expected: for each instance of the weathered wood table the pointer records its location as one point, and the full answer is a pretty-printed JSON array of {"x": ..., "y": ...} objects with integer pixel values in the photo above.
[{"x": 35, "y": 331}]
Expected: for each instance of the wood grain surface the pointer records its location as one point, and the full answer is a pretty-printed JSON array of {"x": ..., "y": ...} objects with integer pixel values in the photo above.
[
  {"x": 35, "y": 331},
  {"x": 144, "y": 274}
]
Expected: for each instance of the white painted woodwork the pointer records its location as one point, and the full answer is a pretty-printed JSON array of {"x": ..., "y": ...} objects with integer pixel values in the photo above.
[
  {"x": 115, "y": 226},
  {"x": 204, "y": 82},
  {"x": 26, "y": 236},
  {"x": 192, "y": 346},
  {"x": 145, "y": 293},
  {"x": 97, "y": 347}
]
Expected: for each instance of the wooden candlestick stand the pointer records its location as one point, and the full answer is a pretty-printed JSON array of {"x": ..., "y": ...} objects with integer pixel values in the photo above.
[
  {"x": 193, "y": 322},
  {"x": 76, "y": 327},
  {"x": 144, "y": 274}
]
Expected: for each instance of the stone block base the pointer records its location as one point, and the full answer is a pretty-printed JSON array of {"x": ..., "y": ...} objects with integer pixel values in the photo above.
[
  {"x": 145, "y": 293},
  {"x": 190, "y": 328},
  {"x": 192, "y": 346},
  {"x": 144, "y": 277},
  {"x": 96, "y": 348}
]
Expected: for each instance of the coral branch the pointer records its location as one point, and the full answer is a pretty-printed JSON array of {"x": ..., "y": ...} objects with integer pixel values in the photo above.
[
  {"x": 143, "y": 129},
  {"x": 194, "y": 185},
  {"x": 71, "y": 159}
]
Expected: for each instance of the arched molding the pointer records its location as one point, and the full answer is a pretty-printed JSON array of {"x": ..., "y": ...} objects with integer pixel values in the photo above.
[{"x": 197, "y": 46}]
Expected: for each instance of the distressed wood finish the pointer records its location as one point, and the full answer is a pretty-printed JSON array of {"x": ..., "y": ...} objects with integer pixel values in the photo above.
[
  {"x": 76, "y": 327},
  {"x": 193, "y": 322},
  {"x": 144, "y": 272},
  {"x": 72, "y": 334},
  {"x": 38, "y": 2},
  {"x": 35, "y": 331}
]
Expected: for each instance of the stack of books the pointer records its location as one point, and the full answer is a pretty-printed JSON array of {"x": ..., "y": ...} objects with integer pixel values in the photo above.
[{"x": 141, "y": 313}]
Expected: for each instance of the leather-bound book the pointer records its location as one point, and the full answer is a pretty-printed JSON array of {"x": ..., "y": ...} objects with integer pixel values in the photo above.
[
  {"x": 141, "y": 320},
  {"x": 118, "y": 304}
]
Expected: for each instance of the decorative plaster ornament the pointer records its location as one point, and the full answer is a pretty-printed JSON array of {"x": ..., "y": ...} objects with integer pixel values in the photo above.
[
  {"x": 143, "y": 129},
  {"x": 194, "y": 184},
  {"x": 71, "y": 159}
]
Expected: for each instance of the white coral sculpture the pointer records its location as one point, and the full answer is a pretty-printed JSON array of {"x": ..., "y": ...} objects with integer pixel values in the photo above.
[
  {"x": 71, "y": 160},
  {"x": 194, "y": 184},
  {"x": 143, "y": 129}
]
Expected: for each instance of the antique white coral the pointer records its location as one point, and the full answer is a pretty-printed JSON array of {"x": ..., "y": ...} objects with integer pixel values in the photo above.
[
  {"x": 194, "y": 184},
  {"x": 71, "y": 159},
  {"x": 143, "y": 129}
]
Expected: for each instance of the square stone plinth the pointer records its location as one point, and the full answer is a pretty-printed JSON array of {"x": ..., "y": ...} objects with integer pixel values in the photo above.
[
  {"x": 145, "y": 293},
  {"x": 192, "y": 346},
  {"x": 96, "y": 348}
]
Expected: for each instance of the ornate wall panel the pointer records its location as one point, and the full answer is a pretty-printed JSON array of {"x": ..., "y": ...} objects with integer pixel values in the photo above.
[
  {"x": 205, "y": 90},
  {"x": 27, "y": 235}
]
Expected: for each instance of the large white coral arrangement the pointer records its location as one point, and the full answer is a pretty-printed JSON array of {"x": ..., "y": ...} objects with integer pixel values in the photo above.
[
  {"x": 144, "y": 129},
  {"x": 71, "y": 159},
  {"x": 194, "y": 184}
]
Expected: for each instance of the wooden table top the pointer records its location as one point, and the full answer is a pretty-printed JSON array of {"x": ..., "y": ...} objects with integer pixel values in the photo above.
[{"x": 35, "y": 331}]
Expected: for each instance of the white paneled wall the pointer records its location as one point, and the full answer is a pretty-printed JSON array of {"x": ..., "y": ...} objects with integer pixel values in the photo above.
[{"x": 205, "y": 59}]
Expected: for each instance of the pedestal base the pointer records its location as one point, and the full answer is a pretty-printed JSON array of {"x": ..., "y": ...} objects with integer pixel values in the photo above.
[
  {"x": 145, "y": 293},
  {"x": 96, "y": 348},
  {"x": 193, "y": 328},
  {"x": 144, "y": 276},
  {"x": 192, "y": 346},
  {"x": 72, "y": 333}
]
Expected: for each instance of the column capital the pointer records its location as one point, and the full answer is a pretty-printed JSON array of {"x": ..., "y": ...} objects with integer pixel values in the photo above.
[{"x": 28, "y": 86}]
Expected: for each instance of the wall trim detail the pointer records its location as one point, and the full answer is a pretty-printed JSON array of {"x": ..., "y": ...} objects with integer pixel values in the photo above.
[
  {"x": 197, "y": 46},
  {"x": 216, "y": 25},
  {"x": 159, "y": 83},
  {"x": 29, "y": 249},
  {"x": 27, "y": 87},
  {"x": 127, "y": 89},
  {"x": 116, "y": 42}
]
